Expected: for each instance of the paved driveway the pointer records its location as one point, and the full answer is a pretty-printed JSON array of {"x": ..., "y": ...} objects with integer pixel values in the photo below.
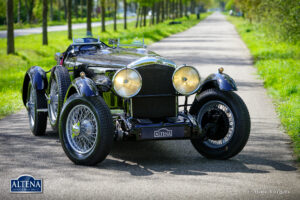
[{"x": 166, "y": 169}]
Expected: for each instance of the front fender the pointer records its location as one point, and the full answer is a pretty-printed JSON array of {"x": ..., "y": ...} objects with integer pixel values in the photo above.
[
  {"x": 38, "y": 78},
  {"x": 218, "y": 80},
  {"x": 83, "y": 86}
]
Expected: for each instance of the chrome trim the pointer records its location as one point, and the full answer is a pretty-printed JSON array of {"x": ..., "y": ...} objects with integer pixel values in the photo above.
[
  {"x": 31, "y": 105},
  {"x": 42, "y": 110},
  {"x": 82, "y": 43},
  {"x": 101, "y": 70},
  {"x": 149, "y": 60}
]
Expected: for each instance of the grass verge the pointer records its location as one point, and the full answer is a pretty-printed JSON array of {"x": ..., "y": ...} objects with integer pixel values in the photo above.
[
  {"x": 278, "y": 63},
  {"x": 30, "y": 52}
]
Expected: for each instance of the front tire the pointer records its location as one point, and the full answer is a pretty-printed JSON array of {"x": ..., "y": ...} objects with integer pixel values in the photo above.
[
  {"x": 226, "y": 118},
  {"x": 86, "y": 129}
]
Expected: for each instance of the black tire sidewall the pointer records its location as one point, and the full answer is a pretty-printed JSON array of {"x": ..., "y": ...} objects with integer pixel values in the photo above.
[
  {"x": 101, "y": 148},
  {"x": 241, "y": 129},
  {"x": 59, "y": 74},
  {"x": 40, "y": 120}
]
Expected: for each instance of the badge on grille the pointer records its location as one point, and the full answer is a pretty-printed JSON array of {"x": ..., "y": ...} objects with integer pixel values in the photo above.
[{"x": 163, "y": 132}]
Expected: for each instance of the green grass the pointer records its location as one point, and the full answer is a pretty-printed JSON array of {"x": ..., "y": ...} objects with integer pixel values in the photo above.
[
  {"x": 30, "y": 51},
  {"x": 278, "y": 63}
]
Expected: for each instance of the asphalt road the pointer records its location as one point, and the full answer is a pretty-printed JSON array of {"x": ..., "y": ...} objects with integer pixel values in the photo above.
[
  {"x": 166, "y": 169},
  {"x": 38, "y": 30}
]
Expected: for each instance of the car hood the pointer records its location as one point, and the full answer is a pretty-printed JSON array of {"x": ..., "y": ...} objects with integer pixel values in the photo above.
[{"x": 120, "y": 57}]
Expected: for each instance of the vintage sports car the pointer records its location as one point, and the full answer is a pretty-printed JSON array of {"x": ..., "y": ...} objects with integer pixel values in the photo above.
[{"x": 98, "y": 93}]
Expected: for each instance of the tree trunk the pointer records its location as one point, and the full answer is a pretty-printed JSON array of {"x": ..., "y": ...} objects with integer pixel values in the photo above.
[
  {"x": 167, "y": 9},
  {"x": 103, "y": 15},
  {"x": 157, "y": 13},
  {"x": 76, "y": 9},
  {"x": 145, "y": 15},
  {"x": 173, "y": 10},
  {"x": 69, "y": 9},
  {"x": 10, "y": 26},
  {"x": 176, "y": 8},
  {"x": 125, "y": 14},
  {"x": 153, "y": 13},
  {"x": 51, "y": 10},
  {"x": 141, "y": 16},
  {"x": 58, "y": 5},
  {"x": 65, "y": 8},
  {"x": 31, "y": 10},
  {"x": 137, "y": 16},
  {"x": 186, "y": 9},
  {"x": 19, "y": 11},
  {"x": 45, "y": 12},
  {"x": 89, "y": 17},
  {"x": 27, "y": 11},
  {"x": 81, "y": 8},
  {"x": 115, "y": 15},
  {"x": 193, "y": 6},
  {"x": 180, "y": 8},
  {"x": 162, "y": 7}
]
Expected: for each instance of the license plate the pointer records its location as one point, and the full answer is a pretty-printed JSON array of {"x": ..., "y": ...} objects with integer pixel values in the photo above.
[{"x": 161, "y": 133}]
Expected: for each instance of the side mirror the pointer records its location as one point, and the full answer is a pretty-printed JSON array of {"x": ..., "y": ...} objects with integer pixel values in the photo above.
[{"x": 57, "y": 57}]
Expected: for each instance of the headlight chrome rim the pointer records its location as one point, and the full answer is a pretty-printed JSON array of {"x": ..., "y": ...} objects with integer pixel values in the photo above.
[
  {"x": 139, "y": 75},
  {"x": 195, "y": 90}
]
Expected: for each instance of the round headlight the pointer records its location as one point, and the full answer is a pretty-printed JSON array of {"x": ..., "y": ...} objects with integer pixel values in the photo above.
[
  {"x": 127, "y": 82},
  {"x": 186, "y": 80}
]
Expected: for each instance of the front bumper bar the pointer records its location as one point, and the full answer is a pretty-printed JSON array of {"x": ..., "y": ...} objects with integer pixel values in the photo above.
[{"x": 182, "y": 127}]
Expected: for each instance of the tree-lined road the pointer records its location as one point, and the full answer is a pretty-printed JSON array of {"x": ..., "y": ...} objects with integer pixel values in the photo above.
[
  {"x": 38, "y": 30},
  {"x": 167, "y": 169}
]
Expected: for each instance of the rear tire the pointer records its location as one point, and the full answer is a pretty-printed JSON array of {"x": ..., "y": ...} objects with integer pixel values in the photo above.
[
  {"x": 36, "y": 99},
  {"x": 227, "y": 119},
  {"x": 86, "y": 129},
  {"x": 59, "y": 84}
]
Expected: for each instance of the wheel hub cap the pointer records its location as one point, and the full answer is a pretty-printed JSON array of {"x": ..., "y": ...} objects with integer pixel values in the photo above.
[{"x": 86, "y": 127}]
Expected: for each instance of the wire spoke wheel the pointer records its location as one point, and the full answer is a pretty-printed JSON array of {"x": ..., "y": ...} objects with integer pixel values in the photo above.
[
  {"x": 81, "y": 129},
  {"x": 53, "y": 106},
  {"x": 219, "y": 118},
  {"x": 225, "y": 120},
  {"x": 86, "y": 129},
  {"x": 59, "y": 84}
]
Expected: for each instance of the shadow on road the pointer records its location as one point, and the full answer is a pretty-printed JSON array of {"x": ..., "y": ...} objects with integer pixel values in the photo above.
[
  {"x": 23, "y": 151},
  {"x": 146, "y": 158}
]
